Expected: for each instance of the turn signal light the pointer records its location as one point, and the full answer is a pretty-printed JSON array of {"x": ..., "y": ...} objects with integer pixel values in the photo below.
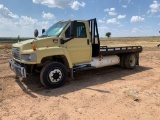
[{"x": 34, "y": 47}]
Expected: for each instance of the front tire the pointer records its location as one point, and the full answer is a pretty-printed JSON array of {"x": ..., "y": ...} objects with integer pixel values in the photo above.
[{"x": 53, "y": 75}]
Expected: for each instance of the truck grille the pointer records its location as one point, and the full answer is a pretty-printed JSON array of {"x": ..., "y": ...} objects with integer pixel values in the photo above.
[{"x": 15, "y": 53}]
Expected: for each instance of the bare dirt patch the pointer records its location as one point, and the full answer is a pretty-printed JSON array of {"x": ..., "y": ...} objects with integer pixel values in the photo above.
[{"x": 109, "y": 93}]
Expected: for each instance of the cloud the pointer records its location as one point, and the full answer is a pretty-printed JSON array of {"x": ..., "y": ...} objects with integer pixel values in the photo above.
[
  {"x": 154, "y": 7},
  {"x": 124, "y": 6},
  {"x": 106, "y": 10},
  {"x": 60, "y": 3},
  {"x": 136, "y": 30},
  {"x": 129, "y": 1},
  {"x": 47, "y": 15},
  {"x": 6, "y": 23},
  {"x": 31, "y": 23},
  {"x": 71, "y": 15},
  {"x": 135, "y": 19},
  {"x": 13, "y": 25},
  {"x": 24, "y": 26},
  {"x": 75, "y": 5},
  {"x": 112, "y": 21},
  {"x": 102, "y": 30},
  {"x": 142, "y": 30},
  {"x": 121, "y": 16},
  {"x": 111, "y": 11},
  {"x": 27, "y": 21},
  {"x": 54, "y": 3},
  {"x": 101, "y": 21},
  {"x": 4, "y": 12}
]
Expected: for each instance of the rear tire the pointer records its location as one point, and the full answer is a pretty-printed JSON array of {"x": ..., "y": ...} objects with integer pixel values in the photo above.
[
  {"x": 122, "y": 58},
  {"x": 53, "y": 75},
  {"x": 130, "y": 61}
]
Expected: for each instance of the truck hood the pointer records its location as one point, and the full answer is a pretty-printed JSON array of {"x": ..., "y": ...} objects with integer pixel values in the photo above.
[{"x": 39, "y": 43}]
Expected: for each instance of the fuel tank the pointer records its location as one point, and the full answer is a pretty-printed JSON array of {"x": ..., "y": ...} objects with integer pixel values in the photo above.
[{"x": 103, "y": 61}]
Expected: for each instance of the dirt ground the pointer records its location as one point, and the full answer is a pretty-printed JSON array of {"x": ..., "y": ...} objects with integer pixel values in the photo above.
[{"x": 109, "y": 93}]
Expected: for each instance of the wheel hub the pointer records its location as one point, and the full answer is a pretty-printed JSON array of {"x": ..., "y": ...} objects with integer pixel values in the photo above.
[
  {"x": 55, "y": 75},
  {"x": 132, "y": 60}
]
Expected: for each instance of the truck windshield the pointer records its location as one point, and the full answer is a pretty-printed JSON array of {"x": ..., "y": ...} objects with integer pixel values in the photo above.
[{"x": 55, "y": 30}]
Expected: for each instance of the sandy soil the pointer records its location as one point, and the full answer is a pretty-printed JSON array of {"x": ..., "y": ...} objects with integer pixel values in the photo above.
[{"x": 109, "y": 93}]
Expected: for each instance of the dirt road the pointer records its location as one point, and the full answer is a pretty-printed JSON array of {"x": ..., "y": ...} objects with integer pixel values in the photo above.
[{"x": 109, "y": 93}]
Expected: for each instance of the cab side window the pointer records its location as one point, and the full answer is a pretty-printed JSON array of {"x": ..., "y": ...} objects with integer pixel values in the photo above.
[{"x": 81, "y": 31}]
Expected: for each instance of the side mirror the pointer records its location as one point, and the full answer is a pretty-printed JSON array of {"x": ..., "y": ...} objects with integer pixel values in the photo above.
[
  {"x": 43, "y": 30},
  {"x": 35, "y": 33},
  {"x": 73, "y": 29}
]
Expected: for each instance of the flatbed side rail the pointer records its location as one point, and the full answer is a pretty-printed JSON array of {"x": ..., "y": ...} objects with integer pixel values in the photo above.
[{"x": 104, "y": 50}]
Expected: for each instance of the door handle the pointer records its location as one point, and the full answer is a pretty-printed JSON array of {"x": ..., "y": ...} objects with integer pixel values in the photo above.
[{"x": 87, "y": 41}]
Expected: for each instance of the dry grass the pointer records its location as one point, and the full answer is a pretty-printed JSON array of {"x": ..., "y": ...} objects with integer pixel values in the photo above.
[
  {"x": 5, "y": 46},
  {"x": 5, "y": 50}
]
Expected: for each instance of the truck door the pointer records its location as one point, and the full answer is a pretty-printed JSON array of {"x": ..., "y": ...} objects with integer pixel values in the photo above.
[{"x": 79, "y": 47}]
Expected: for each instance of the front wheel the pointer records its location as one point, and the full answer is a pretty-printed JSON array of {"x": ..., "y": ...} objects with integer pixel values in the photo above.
[{"x": 53, "y": 75}]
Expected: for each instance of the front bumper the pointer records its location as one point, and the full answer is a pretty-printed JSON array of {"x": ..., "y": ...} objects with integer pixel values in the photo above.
[{"x": 17, "y": 69}]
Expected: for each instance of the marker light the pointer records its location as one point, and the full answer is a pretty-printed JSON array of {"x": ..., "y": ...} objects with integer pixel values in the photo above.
[{"x": 34, "y": 47}]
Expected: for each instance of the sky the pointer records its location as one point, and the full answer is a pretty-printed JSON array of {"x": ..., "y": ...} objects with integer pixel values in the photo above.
[{"x": 123, "y": 18}]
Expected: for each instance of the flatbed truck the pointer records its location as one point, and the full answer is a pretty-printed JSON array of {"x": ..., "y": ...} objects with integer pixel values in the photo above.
[{"x": 67, "y": 47}]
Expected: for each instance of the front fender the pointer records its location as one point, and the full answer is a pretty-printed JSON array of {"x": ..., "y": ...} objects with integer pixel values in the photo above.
[{"x": 52, "y": 51}]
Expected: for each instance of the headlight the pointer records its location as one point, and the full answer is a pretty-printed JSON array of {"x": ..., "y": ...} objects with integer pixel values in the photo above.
[{"x": 29, "y": 57}]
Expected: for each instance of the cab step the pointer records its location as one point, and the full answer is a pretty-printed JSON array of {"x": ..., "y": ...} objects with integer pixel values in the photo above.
[{"x": 82, "y": 67}]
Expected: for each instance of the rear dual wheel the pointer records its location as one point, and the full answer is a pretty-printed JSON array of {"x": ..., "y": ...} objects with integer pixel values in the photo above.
[
  {"x": 122, "y": 58},
  {"x": 128, "y": 61}
]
